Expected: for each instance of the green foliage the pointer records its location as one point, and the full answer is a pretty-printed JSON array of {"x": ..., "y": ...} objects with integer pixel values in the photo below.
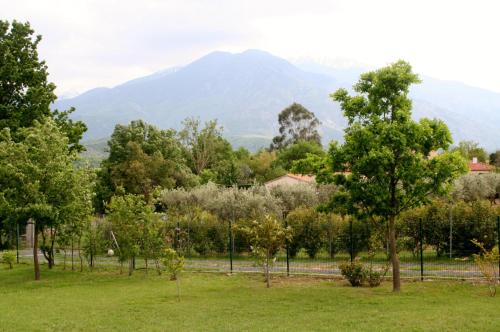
[
  {"x": 38, "y": 181},
  {"x": 142, "y": 157},
  {"x": 267, "y": 236},
  {"x": 475, "y": 187},
  {"x": 387, "y": 153},
  {"x": 487, "y": 262},
  {"x": 306, "y": 230},
  {"x": 296, "y": 123},
  {"x": 9, "y": 258},
  {"x": 204, "y": 147},
  {"x": 173, "y": 262},
  {"x": 136, "y": 228},
  {"x": 470, "y": 221},
  {"x": 469, "y": 150},
  {"x": 495, "y": 158},
  {"x": 297, "y": 151},
  {"x": 25, "y": 92},
  {"x": 354, "y": 272}
]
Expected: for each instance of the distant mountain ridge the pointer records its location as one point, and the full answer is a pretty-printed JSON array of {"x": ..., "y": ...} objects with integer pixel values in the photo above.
[{"x": 246, "y": 91}]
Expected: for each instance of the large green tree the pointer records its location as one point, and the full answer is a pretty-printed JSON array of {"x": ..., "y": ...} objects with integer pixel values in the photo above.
[
  {"x": 25, "y": 92},
  {"x": 387, "y": 153},
  {"x": 142, "y": 157},
  {"x": 296, "y": 123},
  {"x": 39, "y": 182}
]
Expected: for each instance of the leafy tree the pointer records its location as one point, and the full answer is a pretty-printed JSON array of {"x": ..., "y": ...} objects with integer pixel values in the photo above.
[
  {"x": 9, "y": 258},
  {"x": 387, "y": 153},
  {"x": 142, "y": 157},
  {"x": 472, "y": 187},
  {"x": 470, "y": 149},
  {"x": 174, "y": 263},
  {"x": 306, "y": 230},
  {"x": 38, "y": 181},
  {"x": 137, "y": 229},
  {"x": 495, "y": 158},
  {"x": 267, "y": 236},
  {"x": 25, "y": 92},
  {"x": 264, "y": 166},
  {"x": 204, "y": 147},
  {"x": 296, "y": 123},
  {"x": 297, "y": 151}
]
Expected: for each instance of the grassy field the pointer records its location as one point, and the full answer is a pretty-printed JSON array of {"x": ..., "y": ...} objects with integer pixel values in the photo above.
[{"x": 89, "y": 301}]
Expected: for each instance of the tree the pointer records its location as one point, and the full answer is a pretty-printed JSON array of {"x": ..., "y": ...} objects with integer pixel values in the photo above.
[
  {"x": 136, "y": 227},
  {"x": 142, "y": 157},
  {"x": 174, "y": 263},
  {"x": 267, "y": 236},
  {"x": 387, "y": 153},
  {"x": 296, "y": 123},
  {"x": 25, "y": 92},
  {"x": 204, "y": 147},
  {"x": 470, "y": 150},
  {"x": 297, "y": 151},
  {"x": 472, "y": 187},
  {"x": 38, "y": 182},
  {"x": 495, "y": 158}
]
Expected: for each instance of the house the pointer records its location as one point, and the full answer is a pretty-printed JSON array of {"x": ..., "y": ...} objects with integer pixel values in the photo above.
[
  {"x": 477, "y": 167},
  {"x": 290, "y": 179}
]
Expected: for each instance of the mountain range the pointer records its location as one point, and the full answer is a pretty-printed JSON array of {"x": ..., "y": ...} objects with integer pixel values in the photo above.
[{"x": 246, "y": 91}]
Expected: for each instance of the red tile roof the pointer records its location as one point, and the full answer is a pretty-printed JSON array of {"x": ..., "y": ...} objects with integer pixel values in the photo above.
[
  {"x": 300, "y": 177},
  {"x": 480, "y": 167}
]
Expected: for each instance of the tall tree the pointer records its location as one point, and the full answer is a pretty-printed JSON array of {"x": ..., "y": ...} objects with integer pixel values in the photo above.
[
  {"x": 25, "y": 92},
  {"x": 39, "y": 182},
  {"x": 387, "y": 153},
  {"x": 297, "y": 151},
  {"x": 296, "y": 123}
]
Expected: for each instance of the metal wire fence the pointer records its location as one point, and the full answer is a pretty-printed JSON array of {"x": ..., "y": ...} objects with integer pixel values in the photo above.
[{"x": 423, "y": 261}]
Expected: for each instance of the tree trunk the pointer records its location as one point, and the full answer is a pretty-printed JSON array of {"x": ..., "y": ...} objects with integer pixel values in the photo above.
[
  {"x": 396, "y": 280},
  {"x": 64, "y": 261},
  {"x": 267, "y": 271},
  {"x": 35, "y": 255},
  {"x": 130, "y": 266},
  {"x": 80, "y": 253},
  {"x": 146, "y": 263}
]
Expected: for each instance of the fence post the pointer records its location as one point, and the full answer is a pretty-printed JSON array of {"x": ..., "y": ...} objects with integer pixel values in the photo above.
[
  {"x": 351, "y": 248},
  {"x": 17, "y": 241},
  {"x": 498, "y": 235},
  {"x": 421, "y": 235},
  {"x": 287, "y": 255},
  {"x": 230, "y": 247}
]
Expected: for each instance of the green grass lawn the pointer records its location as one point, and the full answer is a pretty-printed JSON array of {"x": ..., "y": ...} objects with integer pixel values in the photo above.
[{"x": 89, "y": 301}]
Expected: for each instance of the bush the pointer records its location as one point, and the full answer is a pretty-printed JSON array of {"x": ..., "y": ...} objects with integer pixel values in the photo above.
[
  {"x": 354, "y": 272},
  {"x": 9, "y": 258}
]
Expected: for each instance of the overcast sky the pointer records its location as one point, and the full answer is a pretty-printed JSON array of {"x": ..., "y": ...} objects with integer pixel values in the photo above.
[{"x": 104, "y": 42}]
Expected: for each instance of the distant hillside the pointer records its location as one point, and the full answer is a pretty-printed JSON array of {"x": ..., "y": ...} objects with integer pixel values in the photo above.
[{"x": 246, "y": 91}]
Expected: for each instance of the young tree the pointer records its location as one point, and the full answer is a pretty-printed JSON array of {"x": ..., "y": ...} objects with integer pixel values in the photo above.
[
  {"x": 296, "y": 123},
  {"x": 174, "y": 263},
  {"x": 267, "y": 236},
  {"x": 387, "y": 153}
]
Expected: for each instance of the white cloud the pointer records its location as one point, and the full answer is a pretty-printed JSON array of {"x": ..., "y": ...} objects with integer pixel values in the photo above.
[{"x": 103, "y": 43}]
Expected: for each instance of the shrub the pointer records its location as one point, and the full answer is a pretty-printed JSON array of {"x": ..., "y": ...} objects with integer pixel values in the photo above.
[
  {"x": 487, "y": 262},
  {"x": 354, "y": 272},
  {"x": 9, "y": 258}
]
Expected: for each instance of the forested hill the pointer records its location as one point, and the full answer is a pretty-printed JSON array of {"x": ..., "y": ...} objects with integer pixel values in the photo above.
[{"x": 246, "y": 91}]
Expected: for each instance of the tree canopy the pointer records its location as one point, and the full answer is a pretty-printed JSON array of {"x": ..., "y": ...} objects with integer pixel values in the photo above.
[
  {"x": 384, "y": 166},
  {"x": 296, "y": 123}
]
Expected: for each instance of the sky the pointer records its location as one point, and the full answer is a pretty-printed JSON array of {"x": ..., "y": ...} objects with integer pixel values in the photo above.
[{"x": 93, "y": 43}]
